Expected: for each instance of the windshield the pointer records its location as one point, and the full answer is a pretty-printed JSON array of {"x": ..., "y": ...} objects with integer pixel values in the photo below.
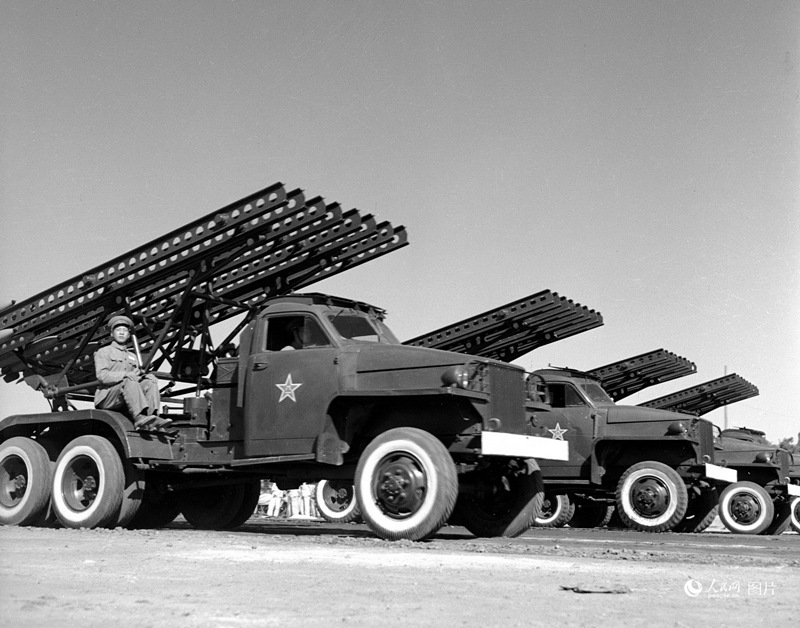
[
  {"x": 351, "y": 325},
  {"x": 596, "y": 393}
]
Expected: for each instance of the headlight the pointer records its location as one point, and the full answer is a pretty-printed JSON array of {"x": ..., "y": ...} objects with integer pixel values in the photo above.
[
  {"x": 762, "y": 457},
  {"x": 676, "y": 429},
  {"x": 456, "y": 376}
]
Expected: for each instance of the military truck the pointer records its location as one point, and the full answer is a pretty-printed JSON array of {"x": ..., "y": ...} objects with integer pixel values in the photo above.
[
  {"x": 761, "y": 502},
  {"x": 643, "y": 461},
  {"x": 655, "y": 466},
  {"x": 412, "y": 428}
]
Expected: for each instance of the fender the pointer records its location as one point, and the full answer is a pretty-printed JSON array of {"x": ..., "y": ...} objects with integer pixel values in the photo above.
[{"x": 132, "y": 444}]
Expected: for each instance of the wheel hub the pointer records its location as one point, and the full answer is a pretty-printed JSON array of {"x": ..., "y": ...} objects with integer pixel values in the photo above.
[
  {"x": 745, "y": 509},
  {"x": 81, "y": 484},
  {"x": 401, "y": 487},
  {"x": 650, "y": 498},
  {"x": 14, "y": 481}
]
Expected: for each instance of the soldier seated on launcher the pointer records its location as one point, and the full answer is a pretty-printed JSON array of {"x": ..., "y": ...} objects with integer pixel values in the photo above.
[{"x": 122, "y": 383}]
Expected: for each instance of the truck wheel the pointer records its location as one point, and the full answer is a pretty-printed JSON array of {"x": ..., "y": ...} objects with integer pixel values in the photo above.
[
  {"x": 251, "y": 492},
  {"x": 25, "y": 478},
  {"x": 501, "y": 500},
  {"x": 651, "y": 497},
  {"x": 745, "y": 508},
  {"x": 795, "y": 514},
  {"x": 590, "y": 514},
  {"x": 131, "y": 495},
  {"x": 211, "y": 507},
  {"x": 556, "y": 511},
  {"x": 88, "y": 484},
  {"x": 406, "y": 484},
  {"x": 336, "y": 501},
  {"x": 781, "y": 520},
  {"x": 701, "y": 512},
  {"x": 158, "y": 508}
]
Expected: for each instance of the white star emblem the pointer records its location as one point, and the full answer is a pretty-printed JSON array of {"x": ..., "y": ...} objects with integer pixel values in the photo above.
[
  {"x": 288, "y": 388},
  {"x": 558, "y": 432}
]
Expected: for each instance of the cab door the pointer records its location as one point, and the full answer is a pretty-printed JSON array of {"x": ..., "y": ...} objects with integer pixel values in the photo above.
[
  {"x": 289, "y": 387},
  {"x": 571, "y": 419}
]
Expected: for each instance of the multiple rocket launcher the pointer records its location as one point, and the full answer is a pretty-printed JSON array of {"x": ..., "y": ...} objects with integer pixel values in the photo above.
[{"x": 270, "y": 243}]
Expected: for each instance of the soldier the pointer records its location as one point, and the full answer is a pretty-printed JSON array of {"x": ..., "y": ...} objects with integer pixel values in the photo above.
[
  {"x": 295, "y": 331},
  {"x": 122, "y": 383}
]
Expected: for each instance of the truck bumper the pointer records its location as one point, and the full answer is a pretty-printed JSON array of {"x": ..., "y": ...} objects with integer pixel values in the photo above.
[
  {"x": 522, "y": 446},
  {"x": 715, "y": 472},
  {"x": 793, "y": 490}
]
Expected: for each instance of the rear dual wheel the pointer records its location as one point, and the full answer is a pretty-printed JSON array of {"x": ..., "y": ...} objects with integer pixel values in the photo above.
[
  {"x": 336, "y": 501},
  {"x": 25, "y": 478},
  {"x": 701, "y": 512},
  {"x": 88, "y": 484},
  {"x": 782, "y": 518},
  {"x": 158, "y": 507},
  {"x": 556, "y": 511},
  {"x": 221, "y": 507},
  {"x": 590, "y": 514},
  {"x": 502, "y": 499}
]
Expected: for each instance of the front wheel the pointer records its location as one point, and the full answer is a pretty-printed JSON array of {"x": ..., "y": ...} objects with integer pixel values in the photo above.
[
  {"x": 406, "y": 484},
  {"x": 651, "y": 497},
  {"x": 336, "y": 501},
  {"x": 794, "y": 517},
  {"x": 25, "y": 477},
  {"x": 502, "y": 499},
  {"x": 746, "y": 508},
  {"x": 88, "y": 484}
]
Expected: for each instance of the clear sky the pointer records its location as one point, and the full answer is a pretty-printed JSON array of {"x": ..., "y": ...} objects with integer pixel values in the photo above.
[{"x": 641, "y": 158}]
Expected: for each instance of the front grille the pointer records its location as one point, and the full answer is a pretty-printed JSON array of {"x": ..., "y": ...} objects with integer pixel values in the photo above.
[
  {"x": 507, "y": 397},
  {"x": 705, "y": 433},
  {"x": 782, "y": 460}
]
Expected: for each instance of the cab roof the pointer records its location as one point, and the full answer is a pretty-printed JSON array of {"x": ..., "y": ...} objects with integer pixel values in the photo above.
[{"x": 317, "y": 298}]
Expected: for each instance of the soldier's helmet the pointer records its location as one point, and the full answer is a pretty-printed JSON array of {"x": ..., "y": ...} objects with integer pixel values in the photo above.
[{"x": 118, "y": 320}]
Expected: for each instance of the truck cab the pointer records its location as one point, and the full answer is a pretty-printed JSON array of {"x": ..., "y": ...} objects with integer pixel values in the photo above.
[{"x": 647, "y": 462}]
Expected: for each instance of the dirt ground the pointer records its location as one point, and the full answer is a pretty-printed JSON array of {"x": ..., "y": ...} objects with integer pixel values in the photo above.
[{"x": 313, "y": 574}]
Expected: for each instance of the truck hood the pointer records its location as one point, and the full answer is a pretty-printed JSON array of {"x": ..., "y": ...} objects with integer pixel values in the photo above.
[
  {"x": 639, "y": 414},
  {"x": 381, "y": 357},
  {"x": 373, "y": 367},
  {"x": 727, "y": 443}
]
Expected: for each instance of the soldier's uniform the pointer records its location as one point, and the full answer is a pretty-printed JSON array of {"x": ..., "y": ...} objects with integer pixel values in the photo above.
[{"x": 117, "y": 389}]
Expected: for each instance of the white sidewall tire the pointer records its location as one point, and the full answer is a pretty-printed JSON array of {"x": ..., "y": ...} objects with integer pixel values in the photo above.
[
  {"x": 431, "y": 460},
  {"x": 334, "y": 516},
  {"x": 676, "y": 497},
  {"x": 110, "y": 481},
  {"x": 369, "y": 506},
  {"x": 561, "y": 504},
  {"x": 746, "y": 488},
  {"x": 34, "y": 503},
  {"x": 795, "y": 514}
]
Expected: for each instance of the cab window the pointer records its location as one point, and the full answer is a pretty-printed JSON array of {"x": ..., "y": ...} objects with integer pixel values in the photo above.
[
  {"x": 286, "y": 333},
  {"x": 564, "y": 396}
]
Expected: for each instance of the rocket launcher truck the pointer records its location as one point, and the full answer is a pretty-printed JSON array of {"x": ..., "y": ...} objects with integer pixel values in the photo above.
[{"x": 413, "y": 429}]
